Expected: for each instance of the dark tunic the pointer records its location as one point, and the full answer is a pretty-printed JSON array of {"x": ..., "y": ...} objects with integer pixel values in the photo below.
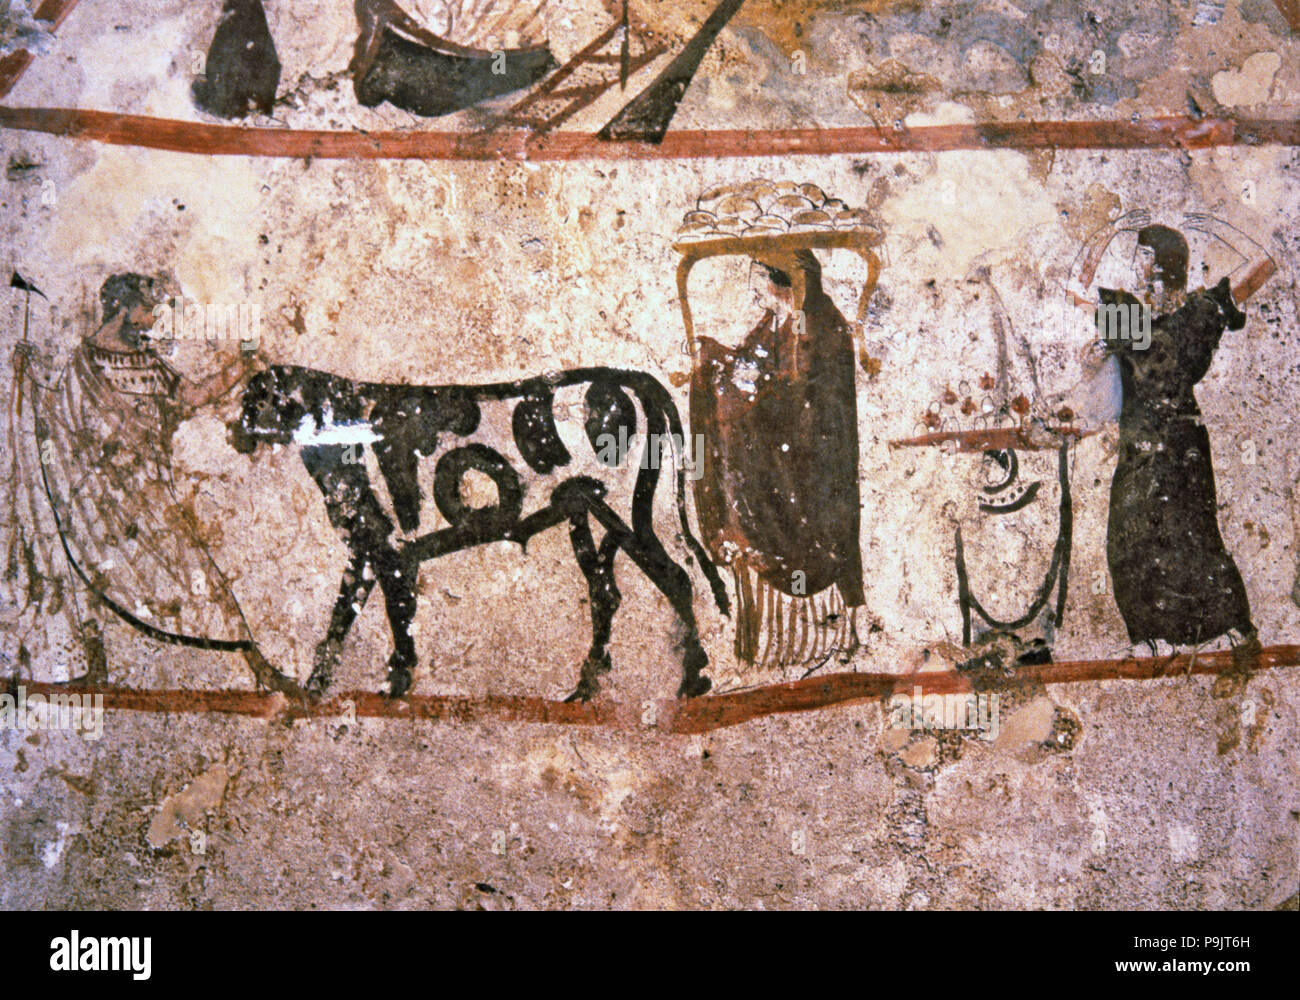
[
  {"x": 780, "y": 465},
  {"x": 1174, "y": 579}
]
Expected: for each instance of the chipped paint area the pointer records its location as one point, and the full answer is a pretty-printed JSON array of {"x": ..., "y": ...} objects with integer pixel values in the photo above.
[
  {"x": 183, "y": 812},
  {"x": 1251, "y": 84}
]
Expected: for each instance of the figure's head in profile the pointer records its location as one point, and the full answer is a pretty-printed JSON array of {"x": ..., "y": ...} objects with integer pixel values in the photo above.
[
  {"x": 132, "y": 297},
  {"x": 1160, "y": 262},
  {"x": 780, "y": 282},
  {"x": 772, "y": 287}
]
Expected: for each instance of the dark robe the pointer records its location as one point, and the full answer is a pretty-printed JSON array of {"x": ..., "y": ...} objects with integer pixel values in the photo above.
[
  {"x": 1173, "y": 577},
  {"x": 779, "y": 476},
  {"x": 429, "y": 83},
  {"x": 242, "y": 71}
]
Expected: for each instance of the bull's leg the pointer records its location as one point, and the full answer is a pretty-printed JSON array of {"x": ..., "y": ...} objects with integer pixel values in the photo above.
[
  {"x": 597, "y": 566},
  {"x": 353, "y": 592},
  {"x": 359, "y": 580},
  {"x": 675, "y": 583},
  {"x": 397, "y": 578},
  {"x": 355, "y": 512}
]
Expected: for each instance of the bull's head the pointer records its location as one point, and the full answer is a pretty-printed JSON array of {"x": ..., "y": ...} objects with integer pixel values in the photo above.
[{"x": 268, "y": 413}]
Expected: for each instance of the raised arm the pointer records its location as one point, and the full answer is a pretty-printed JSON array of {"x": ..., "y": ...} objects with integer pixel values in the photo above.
[
  {"x": 1080, "y": 293},
  {"x": 1256, "y": 266},
  {"x": 1254, "y": 279}
]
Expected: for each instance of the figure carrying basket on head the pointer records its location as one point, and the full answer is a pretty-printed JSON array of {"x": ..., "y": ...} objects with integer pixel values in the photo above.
[{"x": 777, "y": 496}]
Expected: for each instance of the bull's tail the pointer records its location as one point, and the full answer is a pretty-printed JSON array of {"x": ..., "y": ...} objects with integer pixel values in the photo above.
[{"x": 675, "y": 434}]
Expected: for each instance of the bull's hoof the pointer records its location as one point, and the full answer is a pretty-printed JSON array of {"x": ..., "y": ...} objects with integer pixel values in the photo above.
[
  {"x": 585, "y": 691},
  {"x": 326, "y": 659},
  {"x": 399, "y": 678},
  {"x": 694, "y": 683},
  {"x": 291, "y": 689},
  {"x": 693, "y": 687},
  {"x": 399, "y": 682},
  {"x": 589, "y": 683}
]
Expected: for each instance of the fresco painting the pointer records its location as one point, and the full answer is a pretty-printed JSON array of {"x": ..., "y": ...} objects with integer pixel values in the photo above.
[{"x": 847, "y": 401}]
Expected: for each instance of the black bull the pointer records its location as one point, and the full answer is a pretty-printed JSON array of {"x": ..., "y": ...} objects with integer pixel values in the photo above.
[{"x": 403, "y": 423}]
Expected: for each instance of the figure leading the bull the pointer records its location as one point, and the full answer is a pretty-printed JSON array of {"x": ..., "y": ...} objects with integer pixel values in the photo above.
[{"x": 94, "y": 507}]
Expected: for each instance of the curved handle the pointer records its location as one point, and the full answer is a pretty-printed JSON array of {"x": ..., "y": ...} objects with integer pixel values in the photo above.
[
  {"x": 683, "y": 272},
  {"x": 873, "y": 275}
]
